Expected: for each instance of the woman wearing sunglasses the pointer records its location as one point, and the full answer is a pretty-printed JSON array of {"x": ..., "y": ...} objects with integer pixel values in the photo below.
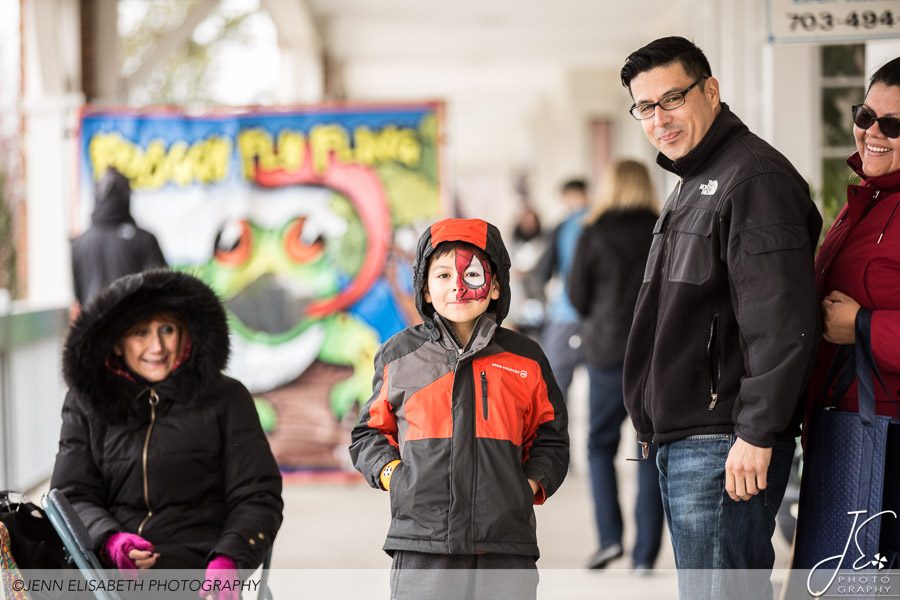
[{"x": 858, "y": 274}]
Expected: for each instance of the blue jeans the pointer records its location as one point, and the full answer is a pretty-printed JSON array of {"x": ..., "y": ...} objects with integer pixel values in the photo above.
[
  {"x": 709, "y": 530},
  {"x": 607, "y": 411}
]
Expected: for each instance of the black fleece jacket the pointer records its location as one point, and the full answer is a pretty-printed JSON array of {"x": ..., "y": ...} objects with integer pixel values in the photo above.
[{"x": 726, "y": 321}]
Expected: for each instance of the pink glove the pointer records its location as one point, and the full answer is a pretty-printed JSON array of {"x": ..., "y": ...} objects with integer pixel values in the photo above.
[
  {"x": 221, "y": 573},
  {"x": 118, "y": 545}
]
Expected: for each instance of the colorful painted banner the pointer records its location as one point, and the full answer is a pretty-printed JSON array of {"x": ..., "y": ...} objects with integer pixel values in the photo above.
[{"x": 305, "y": 222}]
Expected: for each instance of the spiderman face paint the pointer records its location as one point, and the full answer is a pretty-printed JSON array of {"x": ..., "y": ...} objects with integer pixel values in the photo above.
[
  {"x": 460, "y": 287},
  {"x": 473, "y": 275}
]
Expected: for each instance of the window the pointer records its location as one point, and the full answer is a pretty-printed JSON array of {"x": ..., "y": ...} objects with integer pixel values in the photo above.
[{"x": 843, "y": 85}]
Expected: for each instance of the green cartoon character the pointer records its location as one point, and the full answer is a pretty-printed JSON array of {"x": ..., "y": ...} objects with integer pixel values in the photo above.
[{"x": 286, "y": 266}]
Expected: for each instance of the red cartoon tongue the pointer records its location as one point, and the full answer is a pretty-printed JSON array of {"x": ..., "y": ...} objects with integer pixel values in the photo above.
[{"x": 477, "y": 286}]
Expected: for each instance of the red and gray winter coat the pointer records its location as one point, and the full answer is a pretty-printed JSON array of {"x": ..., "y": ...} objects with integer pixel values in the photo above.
[{"x": 472, "y": 425}]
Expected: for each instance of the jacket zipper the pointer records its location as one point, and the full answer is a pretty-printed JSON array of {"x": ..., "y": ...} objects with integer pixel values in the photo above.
[
  {"x": 446, "y": 332},
  {"x": 459, "y": 355},
  {"x": 153, "y": 400},
  {"x": 712, "y": 350},
  {"x": 484, "y": 396}
]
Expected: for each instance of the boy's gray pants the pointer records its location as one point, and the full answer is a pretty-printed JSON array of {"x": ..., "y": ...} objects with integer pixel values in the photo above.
[{"x": 423, "y": 576}]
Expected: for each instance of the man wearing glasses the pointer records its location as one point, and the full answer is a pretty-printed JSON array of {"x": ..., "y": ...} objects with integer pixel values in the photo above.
[{"x": 724, "y": 326}]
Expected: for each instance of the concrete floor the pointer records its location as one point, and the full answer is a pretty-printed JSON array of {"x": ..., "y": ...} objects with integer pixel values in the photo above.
[
  {"x": 330, "y": 542},
  {"x": 329, "y": 546}
]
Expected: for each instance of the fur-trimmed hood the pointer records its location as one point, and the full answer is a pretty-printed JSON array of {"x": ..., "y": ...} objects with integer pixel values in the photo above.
[
  {"x": 479, "y": 233},
  {"x": 88, "y": 351}
]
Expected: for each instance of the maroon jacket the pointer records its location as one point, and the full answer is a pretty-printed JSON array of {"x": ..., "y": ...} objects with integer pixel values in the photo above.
[{"x": 861, "y": 258}]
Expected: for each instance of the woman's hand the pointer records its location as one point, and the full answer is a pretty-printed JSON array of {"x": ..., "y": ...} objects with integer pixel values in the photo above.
[
  {"x": 143, "y": 559},
  {"x": 129, "y": 551},
  {"x": 220, "y": 579},
  {"x": 839, "y": 313}
]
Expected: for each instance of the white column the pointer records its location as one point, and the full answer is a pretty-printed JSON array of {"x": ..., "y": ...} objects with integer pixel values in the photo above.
[
  {"x": 51, "y": 102},
  {"x": 792, "y": 106}
]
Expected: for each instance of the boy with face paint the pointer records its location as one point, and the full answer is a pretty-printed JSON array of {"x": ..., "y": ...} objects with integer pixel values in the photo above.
[{"x": 466, "y": 428}]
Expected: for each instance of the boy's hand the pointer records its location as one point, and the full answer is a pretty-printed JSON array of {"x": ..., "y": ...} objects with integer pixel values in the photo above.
[{"x": 386, "y": 473}]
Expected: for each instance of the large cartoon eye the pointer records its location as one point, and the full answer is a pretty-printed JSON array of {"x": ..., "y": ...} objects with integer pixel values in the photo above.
[
  {"x": 233, "y": 243},
  {"x": 301, "y": 242}
]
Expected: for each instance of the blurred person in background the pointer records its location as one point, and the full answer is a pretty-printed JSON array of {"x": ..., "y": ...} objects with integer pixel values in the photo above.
[
  {"x": 527, "y": 247},
  {"x": 603, "y": 285},
  {"x": 561, "y": 334},
  {"x": 113, "y": 245}
]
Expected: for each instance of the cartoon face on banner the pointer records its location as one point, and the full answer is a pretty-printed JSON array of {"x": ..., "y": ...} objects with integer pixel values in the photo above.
[{"x": 290, "y": 218}]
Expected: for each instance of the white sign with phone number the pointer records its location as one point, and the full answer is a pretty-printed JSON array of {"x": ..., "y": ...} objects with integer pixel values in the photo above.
[{"x": 832, "y": 20}]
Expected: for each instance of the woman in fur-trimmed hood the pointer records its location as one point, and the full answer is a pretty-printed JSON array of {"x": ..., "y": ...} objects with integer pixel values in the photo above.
[{"x": 162, "y": 455}]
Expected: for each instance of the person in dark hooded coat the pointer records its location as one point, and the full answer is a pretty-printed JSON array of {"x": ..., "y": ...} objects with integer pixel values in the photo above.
[
  {"x": 113, "y": 245},
  {"x": 162, "y": 455}
]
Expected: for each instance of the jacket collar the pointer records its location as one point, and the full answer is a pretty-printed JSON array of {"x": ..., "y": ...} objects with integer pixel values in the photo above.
[
  {"x": 482, "y": 335},
  {"x": 724, "y": 127},
  {"x": 887, "y": 183}
]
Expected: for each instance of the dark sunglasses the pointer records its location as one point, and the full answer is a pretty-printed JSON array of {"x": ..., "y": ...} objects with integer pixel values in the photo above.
[{"x": 864, "y": 117}]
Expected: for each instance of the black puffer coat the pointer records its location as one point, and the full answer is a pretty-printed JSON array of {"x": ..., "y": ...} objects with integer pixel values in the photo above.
[{"x": 194, "y": 474}]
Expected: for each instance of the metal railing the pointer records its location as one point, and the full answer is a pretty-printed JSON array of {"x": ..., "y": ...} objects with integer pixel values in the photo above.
[{"x": 31, "y": 394}]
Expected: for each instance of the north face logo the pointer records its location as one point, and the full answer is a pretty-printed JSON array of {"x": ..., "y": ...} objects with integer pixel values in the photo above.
[{"x": 708, "y": 189}]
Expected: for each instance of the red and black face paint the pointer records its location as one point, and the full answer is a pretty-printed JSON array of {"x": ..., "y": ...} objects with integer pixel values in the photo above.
[{"x": 473, "y": 274}]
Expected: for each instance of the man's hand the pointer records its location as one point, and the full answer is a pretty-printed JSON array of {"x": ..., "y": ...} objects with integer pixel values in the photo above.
[
  {"x": 839, "y": 313},
  {"x": 535, "y": 486},
  {"x": 745, "y": 470}
]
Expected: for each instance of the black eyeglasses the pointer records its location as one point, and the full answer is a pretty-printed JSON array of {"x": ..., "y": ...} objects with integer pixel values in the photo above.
[
  {"x": 864, "y": 117},
  {"x": 667, "y": 102}
]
